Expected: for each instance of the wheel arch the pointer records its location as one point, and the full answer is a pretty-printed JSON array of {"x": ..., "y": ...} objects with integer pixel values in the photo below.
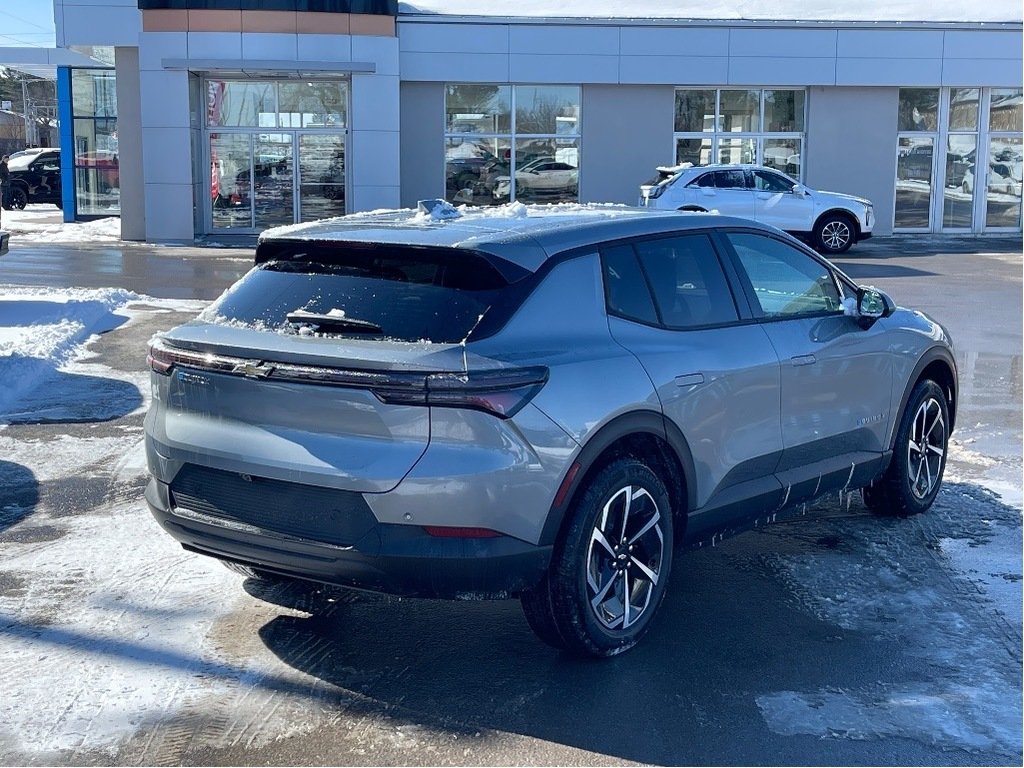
[
  {"x": 938, "y": 365},
  {"x": 854, "y": 221},
  {"x": 645, "y": 435}
]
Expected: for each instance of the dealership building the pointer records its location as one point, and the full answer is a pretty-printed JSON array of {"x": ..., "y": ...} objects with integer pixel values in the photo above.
[{"x": 218, "y": 118}]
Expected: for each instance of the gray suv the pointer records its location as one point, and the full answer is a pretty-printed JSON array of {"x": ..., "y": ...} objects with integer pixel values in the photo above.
[{"x": 545, "y": 404}]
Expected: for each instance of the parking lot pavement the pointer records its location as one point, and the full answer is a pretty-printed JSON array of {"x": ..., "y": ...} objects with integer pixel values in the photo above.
[{"x": 830, "y": 638}]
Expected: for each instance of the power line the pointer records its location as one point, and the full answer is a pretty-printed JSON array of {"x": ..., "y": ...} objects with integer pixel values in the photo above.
[{"x": 26, "y": 21}]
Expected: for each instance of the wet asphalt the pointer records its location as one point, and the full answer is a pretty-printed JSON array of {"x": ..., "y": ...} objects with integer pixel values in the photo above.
[{"x": 832, "y": 612}]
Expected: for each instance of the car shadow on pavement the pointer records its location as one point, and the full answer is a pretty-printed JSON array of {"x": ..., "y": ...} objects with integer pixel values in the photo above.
[
  {"x": 19, "y": 493},
  {"x": 73, "y": 398},
  {"x": 733, "y": 633},
  {"x": 863, "y": 270}
]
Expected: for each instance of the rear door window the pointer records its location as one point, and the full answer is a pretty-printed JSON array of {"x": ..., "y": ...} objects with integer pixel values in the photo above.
[
  {"x": 733, "y": 179},
  {"x": 689, "y": 286},
  {"x": 411, "y": 294}
]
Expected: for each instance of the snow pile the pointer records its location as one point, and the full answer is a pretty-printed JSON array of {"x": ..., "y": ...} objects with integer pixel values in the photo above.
[
  {"x": 42, "y": 329},
  {"x": 99, "y": 231}
]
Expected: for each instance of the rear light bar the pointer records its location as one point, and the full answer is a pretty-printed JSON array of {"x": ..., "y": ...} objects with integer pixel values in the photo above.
[{"x": 502, "y": 392}]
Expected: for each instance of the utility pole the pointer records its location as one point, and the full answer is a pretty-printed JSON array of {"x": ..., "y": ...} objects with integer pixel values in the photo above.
[{"x": 24, "y": 108}]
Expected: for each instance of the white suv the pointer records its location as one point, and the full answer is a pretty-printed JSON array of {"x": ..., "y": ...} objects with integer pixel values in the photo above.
[{"x": 831, "y": 221}]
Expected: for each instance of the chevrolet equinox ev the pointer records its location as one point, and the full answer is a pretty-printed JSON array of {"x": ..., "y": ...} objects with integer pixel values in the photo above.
[{"x": 547, "y": 403}]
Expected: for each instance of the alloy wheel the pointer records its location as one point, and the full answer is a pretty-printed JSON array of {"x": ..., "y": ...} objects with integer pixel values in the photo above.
[
  {"x": 926, "y": 448},
  {"x": 835, "y": 235},
  {"x": 624, "y": 557}
]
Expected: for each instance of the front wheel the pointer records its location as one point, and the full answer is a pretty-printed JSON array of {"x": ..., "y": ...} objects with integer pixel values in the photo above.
[
  {"x": 609, "y": 570},
  {"x": 18, "y": 198},
  {"x": 833, "y": 234},
  {"x": 911, "y": 483}
]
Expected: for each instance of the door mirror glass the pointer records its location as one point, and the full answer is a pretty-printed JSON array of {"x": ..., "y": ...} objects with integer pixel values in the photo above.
[
  {"x": 799, "y": 191},
  {"x": 871, "y": 303}
]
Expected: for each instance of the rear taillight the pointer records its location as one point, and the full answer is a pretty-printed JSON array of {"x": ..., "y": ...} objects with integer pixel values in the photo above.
[
  {"x": 502, "y": 392},
  {"x": 654, "y": 192}
]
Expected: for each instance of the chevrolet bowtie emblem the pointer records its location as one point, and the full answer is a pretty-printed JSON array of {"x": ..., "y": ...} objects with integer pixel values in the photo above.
[{"x": 254, "y": 369}]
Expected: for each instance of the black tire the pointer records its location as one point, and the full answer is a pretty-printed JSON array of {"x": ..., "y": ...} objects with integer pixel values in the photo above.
[
  {"x": 911, "y": 483},
  {"x": 18, "y": 198},
  {"x": 579, "y": 605},
  {"x": 834, "y": 233}
]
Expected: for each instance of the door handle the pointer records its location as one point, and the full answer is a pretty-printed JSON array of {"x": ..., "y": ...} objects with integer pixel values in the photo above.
[
  {"x": 689, "y": 379},
  {"x": 803, "y": 360}
]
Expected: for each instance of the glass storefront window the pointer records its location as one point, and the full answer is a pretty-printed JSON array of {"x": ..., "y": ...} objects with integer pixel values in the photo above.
[
  {"x": 914, "y": 182},
  {"x": 1003, "y": 184},
  {"x": 782, "y": 154},
  {"x": 94, "y": 92},
  {"x": 472, "y": 108},
  {"x": 535, "y": 155},
  {"x": 784, "y": 111},
  {"x": 736, "y": 150},
  {"x": 957, "y": 195},
  {"x": 95, "y": 161},
  {"x": 696, "y": 151},
  {"x": 241, "y": 104},
  {"x": 695, "y": 111},
  {"x": 547, "y": 170},
  {"x": 919, "y": 109},
  {"x": 740, "y": 111},
  {"x": 311, "y": 105},
  {"x": 1005, "y": 110},
  {"x": 473, "y": 168},
  {"x": 734, "y": 132},
  {"x": 963, "y": 109},
  {"x": 547, "y": 109}
]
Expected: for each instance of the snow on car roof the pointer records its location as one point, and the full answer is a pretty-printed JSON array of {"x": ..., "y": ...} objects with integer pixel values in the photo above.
[
  {"x": 522, "y": 234},
  {"x": 731, "y": 10}
]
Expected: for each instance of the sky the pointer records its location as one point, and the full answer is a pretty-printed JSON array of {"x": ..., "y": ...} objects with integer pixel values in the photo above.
[{"x": 26, "y": 23}]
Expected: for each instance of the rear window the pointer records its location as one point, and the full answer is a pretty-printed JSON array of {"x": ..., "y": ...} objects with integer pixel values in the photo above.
[{"x": 411, "y": 294}]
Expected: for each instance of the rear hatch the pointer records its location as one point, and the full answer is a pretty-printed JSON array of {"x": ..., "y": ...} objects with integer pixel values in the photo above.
[
  {"x": 652, "y": 189},
  {"x": 318, "y": 366}
]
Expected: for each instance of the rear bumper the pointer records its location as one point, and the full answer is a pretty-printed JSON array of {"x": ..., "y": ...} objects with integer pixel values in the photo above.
[{"x": 397, "y": 559}]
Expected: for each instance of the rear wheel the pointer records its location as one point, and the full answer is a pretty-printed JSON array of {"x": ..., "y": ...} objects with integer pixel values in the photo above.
[
  {"x": 911, "y": 483},
  {"x": 833, "y": 234},
  {"x": 609, "y": 570}
]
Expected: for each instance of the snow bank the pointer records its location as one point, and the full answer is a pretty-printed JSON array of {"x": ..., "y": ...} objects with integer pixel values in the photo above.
[{"x": 98, "y": 231}]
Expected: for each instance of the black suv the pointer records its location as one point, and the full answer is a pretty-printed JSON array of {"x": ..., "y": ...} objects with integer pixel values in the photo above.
[{"x": 35, "y": 178}]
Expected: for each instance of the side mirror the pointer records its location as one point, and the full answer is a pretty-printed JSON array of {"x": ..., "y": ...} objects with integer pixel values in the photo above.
[
  {"x": 799, "y": 191},
  {"x": 873, "y": 304}
]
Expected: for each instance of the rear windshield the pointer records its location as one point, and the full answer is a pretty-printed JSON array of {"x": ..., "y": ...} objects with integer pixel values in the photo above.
[
  {"x": 661, "y": 178},
  {"x": 411, "y": 294}
]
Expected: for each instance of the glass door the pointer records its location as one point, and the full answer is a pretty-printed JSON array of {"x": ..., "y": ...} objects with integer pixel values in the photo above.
[
  {"x": 254, "y": 184},
  {"x": 321, "y": 176},
  {"x": 273, "y": 180},
  {"x": 230, "y": 171}
]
